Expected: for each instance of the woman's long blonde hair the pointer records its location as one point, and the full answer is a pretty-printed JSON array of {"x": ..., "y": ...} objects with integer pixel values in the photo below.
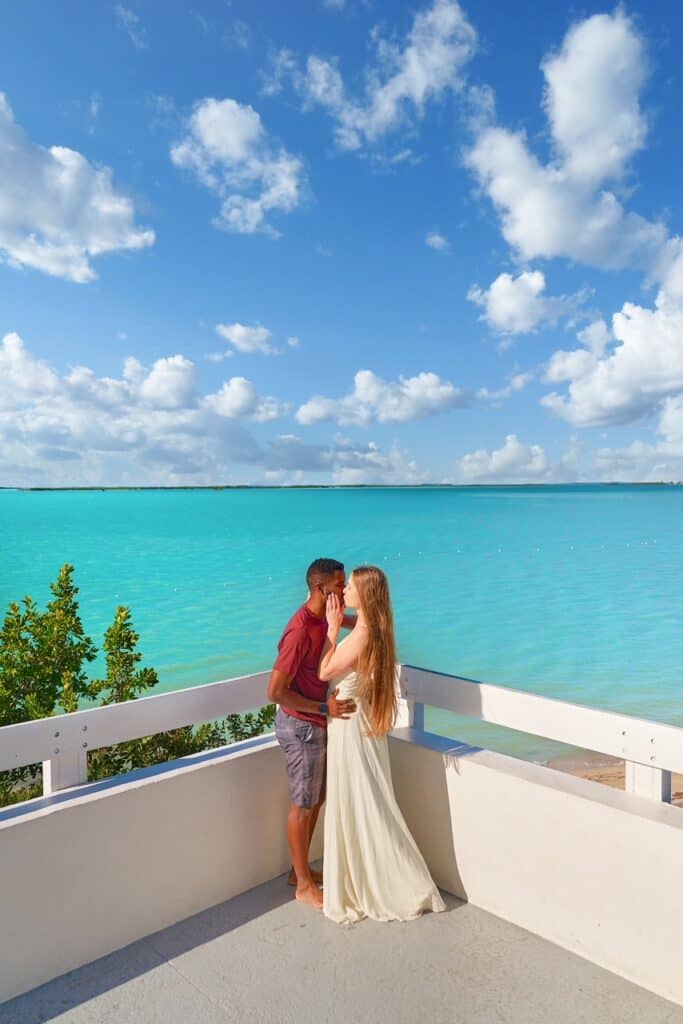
[{"x": 377, "y": 663}]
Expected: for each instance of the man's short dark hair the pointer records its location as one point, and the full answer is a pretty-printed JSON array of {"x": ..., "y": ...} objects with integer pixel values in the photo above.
[{"x": 322, "y": 569}]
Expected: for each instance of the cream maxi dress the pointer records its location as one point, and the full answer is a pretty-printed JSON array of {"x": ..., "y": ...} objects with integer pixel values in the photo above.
[{"x": 372, "y": 866}]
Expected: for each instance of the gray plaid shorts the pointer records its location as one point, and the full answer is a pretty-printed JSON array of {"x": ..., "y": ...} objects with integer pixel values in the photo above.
[{"x": 305, "y": 747}]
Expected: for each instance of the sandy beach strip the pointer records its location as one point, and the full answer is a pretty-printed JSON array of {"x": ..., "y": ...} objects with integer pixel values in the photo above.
[{"x": 610, "y": 771}]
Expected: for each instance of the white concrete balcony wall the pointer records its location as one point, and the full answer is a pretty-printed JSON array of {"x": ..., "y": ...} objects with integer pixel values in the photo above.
[
  {"x": 106, "y": 864},
  {"x": 593, "y": 869}
]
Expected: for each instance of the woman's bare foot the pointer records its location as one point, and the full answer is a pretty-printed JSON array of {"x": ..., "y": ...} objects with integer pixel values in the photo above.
[
  {"x": 317, "y": 877},
  {"x": 311, "y": 895}
]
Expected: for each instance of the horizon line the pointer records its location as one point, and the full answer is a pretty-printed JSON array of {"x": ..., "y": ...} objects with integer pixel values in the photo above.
[{"x": 338, "y": 487}]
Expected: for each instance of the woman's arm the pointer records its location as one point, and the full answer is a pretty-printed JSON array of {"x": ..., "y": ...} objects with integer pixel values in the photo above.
[
  {"x": 340, "y": 659},
  {"x": 336, "y": 660}
]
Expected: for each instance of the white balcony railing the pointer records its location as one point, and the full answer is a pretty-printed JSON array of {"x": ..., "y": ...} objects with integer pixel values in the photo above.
[{"x": 651, "y": 750}]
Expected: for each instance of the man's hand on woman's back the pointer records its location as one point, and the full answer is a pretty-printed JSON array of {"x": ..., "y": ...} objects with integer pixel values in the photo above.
[{"x": 340, "y": 708}]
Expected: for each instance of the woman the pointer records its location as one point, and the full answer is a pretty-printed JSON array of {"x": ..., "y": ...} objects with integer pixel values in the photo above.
[{"x": 372, "y": 866}]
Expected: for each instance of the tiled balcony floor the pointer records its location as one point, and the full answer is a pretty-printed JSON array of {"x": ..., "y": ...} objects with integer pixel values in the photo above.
[{"x": 261, "y": 957}]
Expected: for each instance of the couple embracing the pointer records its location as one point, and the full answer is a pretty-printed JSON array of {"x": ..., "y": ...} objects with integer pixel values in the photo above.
[{"x": 337, "y": 702}]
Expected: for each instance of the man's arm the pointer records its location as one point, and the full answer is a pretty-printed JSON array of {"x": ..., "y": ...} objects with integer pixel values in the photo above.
[
  {"x": 349, "y": 621},
  {"x": 280, "y": 692}
]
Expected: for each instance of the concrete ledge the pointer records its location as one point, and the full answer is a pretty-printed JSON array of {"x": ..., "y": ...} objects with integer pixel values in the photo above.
[{"x": 595, "y": 870}]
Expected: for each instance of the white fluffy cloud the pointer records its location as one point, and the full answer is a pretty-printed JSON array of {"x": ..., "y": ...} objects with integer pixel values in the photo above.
[
  {"x": 374, "y": 399},
  {"x": 238, "y": 397},
  {"x": 170, "y": 384},
  {"x": 346, "y": 462},
  {"x": 247, "y": 339},
  {"x": 152, "y": 426},
  {"x": 437, "y": 241},
  {"x": 58, "y": 212},
  {"x": 282, "y": 64},
  {"x": 592, "y": 97},
  {"x": 657, "y": 460},
  {"x": 517, "y": 305},
  {"x": 370, "y": 465},
  {"x": 404, "y": 77},
  {"x": 149, "y": 425},
  {"x": 625, "y": 374},
  {"x": 595, "y": 337},
  {"x": 568, "y": 207},
  {"x": 515, "y": 462},
  {"x": 639, "y": 461},
  {"x": 226, "y": 147},
  {"x": 671, "y": 423},
  {"x": 21, "y": 376},
  {"x": 516, "y": 383},
  {"x": 631, "y": 380},
  {"x": 564, "y": 207}
]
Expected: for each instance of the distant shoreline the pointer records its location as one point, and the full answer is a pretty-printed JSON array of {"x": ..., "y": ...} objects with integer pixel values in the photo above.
[{"x": 349, "y": 487}]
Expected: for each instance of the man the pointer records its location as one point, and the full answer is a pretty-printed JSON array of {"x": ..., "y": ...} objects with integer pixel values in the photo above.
[{"x": 301, "y": 721}]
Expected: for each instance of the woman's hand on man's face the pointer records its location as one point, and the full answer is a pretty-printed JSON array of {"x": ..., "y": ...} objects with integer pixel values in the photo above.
[{"x": 335, "y": 614}]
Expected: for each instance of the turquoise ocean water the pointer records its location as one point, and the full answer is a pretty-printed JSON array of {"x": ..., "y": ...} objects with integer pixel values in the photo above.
[{"x": 570, "y": 591}]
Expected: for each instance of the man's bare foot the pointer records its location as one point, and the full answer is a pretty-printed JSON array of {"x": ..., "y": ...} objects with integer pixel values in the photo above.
[
  {"x": 311, "y": 895},
  {"x": 317, "y": 877}
]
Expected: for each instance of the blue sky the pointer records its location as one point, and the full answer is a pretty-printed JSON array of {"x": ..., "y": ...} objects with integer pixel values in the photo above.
[{"x": 342, "y": 242}]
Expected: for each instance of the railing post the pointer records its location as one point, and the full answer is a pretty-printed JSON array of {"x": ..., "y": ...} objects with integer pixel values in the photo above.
[
  {"x": 411, "y": 713},
  {"x": 643, "y": 780},
  {"x": 66, "y": 769}
]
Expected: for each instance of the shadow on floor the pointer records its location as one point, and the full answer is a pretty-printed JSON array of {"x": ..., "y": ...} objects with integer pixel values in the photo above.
[
  {"x": 78, "y": 987},
  {"x": 85, "y": 983}
]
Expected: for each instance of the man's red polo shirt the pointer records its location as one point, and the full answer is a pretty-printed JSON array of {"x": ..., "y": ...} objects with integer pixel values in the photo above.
[{"x": 298, "y": 657}]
